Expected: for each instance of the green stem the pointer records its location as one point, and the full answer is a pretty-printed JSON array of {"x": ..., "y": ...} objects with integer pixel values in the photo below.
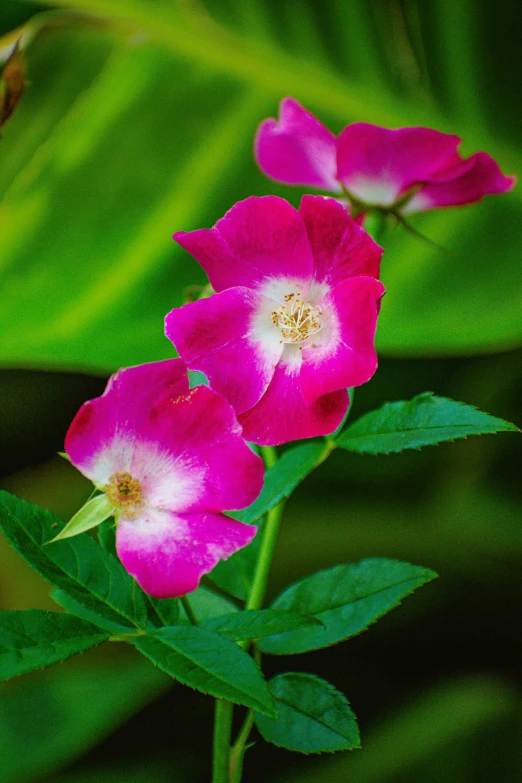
[
  {"x": 255, "y": 601},
  {"x": 222, "y": 737},
  {"x": 266, "y": 553},
  {"x": 226, "y": 763},
  {"x": 238, "y": 750}
]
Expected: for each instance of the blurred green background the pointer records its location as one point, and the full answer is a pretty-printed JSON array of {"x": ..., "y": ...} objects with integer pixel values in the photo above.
[{"x": 137, "y": 121}]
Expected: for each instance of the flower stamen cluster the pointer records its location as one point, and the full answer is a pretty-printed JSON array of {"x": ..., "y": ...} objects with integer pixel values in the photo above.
[
  {"x": 124, "y": 492},
  {"x": 297, "y": 319}
]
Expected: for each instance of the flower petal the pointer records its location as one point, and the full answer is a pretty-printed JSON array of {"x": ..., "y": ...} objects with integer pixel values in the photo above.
[
  {"x": 483, "y": 177},
  {"x": 378, "y": 165},
  {"x": 191, "y": 456},
  {"x": 297, "y": 149},
  {"x": 100, "y": 440},
  {"x": 231, "y": 338},
  {"x": 260, "y": 239},
  {"x": 168, "y": 553},
  {"x": 343, "y": 354},
  {"x": 282, "y": 414},
  {"x": 341, "y": 248}
]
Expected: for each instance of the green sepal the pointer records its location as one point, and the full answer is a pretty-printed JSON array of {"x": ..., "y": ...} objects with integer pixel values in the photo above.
[{"x": 93, "y": 513}]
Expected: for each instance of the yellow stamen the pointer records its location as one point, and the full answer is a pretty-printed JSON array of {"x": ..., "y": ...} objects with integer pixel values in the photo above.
[
  {"x": 297, "y": 319},
  {"x": 124, "y": 492}
]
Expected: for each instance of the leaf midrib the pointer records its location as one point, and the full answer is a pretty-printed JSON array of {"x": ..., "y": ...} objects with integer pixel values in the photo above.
[
  {"x": 356, "y": 600},
  {"x": 312, "y": 717},
  {"x": 385, "y": 433},
  {"x": 197, "y": 666}
]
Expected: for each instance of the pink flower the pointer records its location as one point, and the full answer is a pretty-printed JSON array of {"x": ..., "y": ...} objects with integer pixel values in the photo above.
[
  {"x": 408, "y": 169},
  {"x": 293, "y": 321},
  {"x": 169, "y": 461}
]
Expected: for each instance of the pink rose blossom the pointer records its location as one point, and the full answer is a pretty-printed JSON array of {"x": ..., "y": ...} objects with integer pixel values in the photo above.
[
  {"x": 406, "y": 170},
  {"x": 293, "y": 321},
  {"x": 170, "y": 461}
]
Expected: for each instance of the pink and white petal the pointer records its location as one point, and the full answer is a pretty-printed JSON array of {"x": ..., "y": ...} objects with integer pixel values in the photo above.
[
  {"x": 231, "y": 338},
  {"x": 482, "y": 178},
  {"x": 168, "y": 553},
  {"x": 282, "y": 414},
  {"x": 191, "y": 456},
  {"x": 378, "y": 165},
  {"x": 343, "y": 353},
  {"x": 341, "y": 248},
  {"x": 100, "y": 440},
  {"x": 297, "y": 149},
  {"x": 259, "y": 239}
]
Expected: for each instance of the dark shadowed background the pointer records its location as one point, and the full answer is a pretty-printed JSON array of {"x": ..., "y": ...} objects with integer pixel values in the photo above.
[{"x": 137, "y": 121}]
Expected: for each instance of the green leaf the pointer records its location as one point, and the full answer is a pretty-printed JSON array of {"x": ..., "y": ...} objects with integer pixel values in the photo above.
[
  {"x": 313, "y": 716},
  {"x": 205, "y": 661},
  {"x": 71, "y": 606},
  {"x": 107, "y": 536},
  {"x": 93, "y": 513},
  {"x": 347, "y": 599},
  {"x": 422, "y": 421},
  {"x": 235, "y": 574},
  {"x": 78, "y": 565},
  {"x": 254, "y": 624},
  {"x": 167, "y": 609},
  {"x": 34, "y": 639}
]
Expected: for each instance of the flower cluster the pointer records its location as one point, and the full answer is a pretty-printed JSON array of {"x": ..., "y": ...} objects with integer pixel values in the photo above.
[
  {"x": 289, "y": 328},
  {"x": 404, "y": 170}
]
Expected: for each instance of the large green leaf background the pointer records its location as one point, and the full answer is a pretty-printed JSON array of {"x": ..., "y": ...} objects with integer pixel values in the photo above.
[{"x": 138, "y": 121}]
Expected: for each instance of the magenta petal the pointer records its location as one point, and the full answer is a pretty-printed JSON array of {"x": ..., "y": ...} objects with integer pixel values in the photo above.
[
  {"x": 378, "y": 165},
  {"x": 223, "y": 337},
  {"x": 101, "y": 438},
  {"x": 341, "y": 248},
  {"x": 482, "y": 177},
  {"x": 259, "y": 239},
  {"x": 297, "y": 149},
  {"x": 168, "y": 553},
  {"x": 343, "y": 354},
  {"x": 198, "y": 460},
  {"x": 282, "y": 414}
]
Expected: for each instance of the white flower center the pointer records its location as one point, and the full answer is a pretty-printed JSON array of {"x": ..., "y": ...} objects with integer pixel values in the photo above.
[
  {"x": 124, "y": 491},
  {"x": 297, "y": 319}
]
